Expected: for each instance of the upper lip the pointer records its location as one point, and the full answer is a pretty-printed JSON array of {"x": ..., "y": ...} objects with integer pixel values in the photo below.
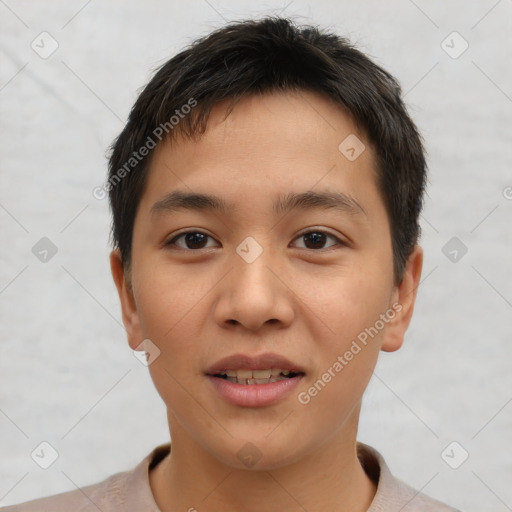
[{"x": 246, "y": 362}]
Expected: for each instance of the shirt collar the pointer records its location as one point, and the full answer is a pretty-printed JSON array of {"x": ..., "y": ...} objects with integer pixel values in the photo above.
[{"x": 390, "y": 491}]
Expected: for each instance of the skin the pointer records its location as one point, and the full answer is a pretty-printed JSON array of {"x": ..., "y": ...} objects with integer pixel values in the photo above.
[{"x": 305, "y": 303}]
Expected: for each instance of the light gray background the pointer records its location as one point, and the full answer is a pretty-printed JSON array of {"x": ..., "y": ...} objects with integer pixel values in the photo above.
[{"x": 67, "y": 374}]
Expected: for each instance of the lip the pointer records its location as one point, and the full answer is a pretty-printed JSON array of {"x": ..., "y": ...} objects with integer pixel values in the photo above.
[
  {"x": 245, "y": 362},
  {"x": 254, "y": 395}
]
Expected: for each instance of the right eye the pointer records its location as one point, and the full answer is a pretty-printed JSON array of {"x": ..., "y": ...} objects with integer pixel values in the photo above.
[{"x": 190, "y": 240}]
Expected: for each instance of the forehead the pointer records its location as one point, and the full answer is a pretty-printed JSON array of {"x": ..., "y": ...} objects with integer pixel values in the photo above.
[
  {"x": 279, "y": 142},
  {"x": 276, "y": 121}
]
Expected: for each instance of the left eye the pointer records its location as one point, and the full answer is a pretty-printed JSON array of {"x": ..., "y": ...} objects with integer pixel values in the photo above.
[
  {"x": 197, "y": 240},
  {"x": 317, "y": 240}
]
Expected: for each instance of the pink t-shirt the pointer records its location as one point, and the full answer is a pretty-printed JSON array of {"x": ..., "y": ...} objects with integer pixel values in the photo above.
[{"x": 130, "y": 491}]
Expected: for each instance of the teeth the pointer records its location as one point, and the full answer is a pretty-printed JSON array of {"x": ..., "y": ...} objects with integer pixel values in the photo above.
[
  {"x": 261, "y": 374},
  {"x": 255, "y": 376}
]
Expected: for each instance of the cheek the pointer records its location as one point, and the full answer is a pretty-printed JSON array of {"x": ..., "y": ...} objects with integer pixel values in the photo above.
[
  {"x": 347, "y": 341},
  {"x": 167, "y": 299},
  {"x": 176, "y": 371},
  {"x": 344, "y": 368},
  {"x": 171, "y": 314},
  {"x": 339, "y": 304}
]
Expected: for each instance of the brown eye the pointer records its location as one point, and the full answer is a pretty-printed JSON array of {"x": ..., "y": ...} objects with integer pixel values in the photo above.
[
  {"x": 317, "y": 240},
  {"x": 191, "y": 240}
]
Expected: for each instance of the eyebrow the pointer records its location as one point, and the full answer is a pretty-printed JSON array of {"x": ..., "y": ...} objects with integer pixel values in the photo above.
[{"x": 339, "y": 201}]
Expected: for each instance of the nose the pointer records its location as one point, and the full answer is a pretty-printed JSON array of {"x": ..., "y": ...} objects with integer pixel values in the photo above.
[{"x": 254, "y": 295}]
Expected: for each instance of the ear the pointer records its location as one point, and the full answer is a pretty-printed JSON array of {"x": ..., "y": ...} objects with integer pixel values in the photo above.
[
  {"x": 404, "y": 296},
  {"x": 128, "y": 305}
]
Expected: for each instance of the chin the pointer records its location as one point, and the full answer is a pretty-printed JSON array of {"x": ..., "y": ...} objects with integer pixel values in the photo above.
[{"x": 258, "y": 453}]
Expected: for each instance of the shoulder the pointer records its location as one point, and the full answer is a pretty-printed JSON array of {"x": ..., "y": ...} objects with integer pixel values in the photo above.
[
  {"x": 86, "y": 499},
  {"x": 393, "y": 494},
  {"x": 123, "y": 492}
]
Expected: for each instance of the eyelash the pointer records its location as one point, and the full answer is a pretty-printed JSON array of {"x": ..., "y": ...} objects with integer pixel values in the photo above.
[{"x": 172, "y": 241}]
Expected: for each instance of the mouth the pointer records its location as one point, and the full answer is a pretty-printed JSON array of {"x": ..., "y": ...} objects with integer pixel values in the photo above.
[
  {"x": 248, "y": 377},
  {"x": 254, "y": 381},
  {"x": 262, "y": 369}
]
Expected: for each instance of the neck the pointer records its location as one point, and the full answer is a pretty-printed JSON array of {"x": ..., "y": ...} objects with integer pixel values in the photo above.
[{"x": 330, "y": 478}]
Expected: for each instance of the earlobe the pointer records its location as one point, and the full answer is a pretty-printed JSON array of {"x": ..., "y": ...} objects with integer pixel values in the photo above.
[
  {"x": 128, "y": 304},
  {"x": 405, "y": 295}
]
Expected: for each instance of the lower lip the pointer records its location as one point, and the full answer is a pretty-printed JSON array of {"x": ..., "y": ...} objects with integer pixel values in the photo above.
[{"x": 254, "y": 395}]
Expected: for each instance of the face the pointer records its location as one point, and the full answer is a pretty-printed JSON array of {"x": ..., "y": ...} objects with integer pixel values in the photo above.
[{"x": 270, "y": 300}]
